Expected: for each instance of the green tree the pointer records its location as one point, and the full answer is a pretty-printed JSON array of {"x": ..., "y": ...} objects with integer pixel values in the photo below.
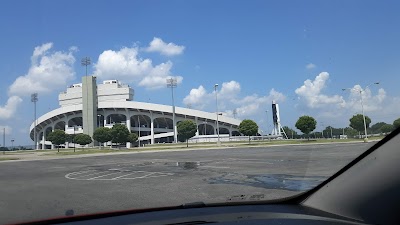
[
  {"x": 83, "y": 139},
  {"x": 357, "y": 122},
  {"x": 119, "y": 134},
  {"x": 186, "y": 129},
  {"x": 57, "y": 137},
  {"x": 332, "y": 132},
  {"x": 248, "y": 128},
  {"x": 102, "y": 134},
  {"x": 350, "y": 132},
  {"x": 306, "y": 124},
  {"x": 290, "y": 132},
  {"x": 396, "y": 123},
  {"x": 132, "y": 137},
  {"x": 387, "y": 128},
  {"x": 376, "y": 128},
  {"x": 70, "y": 137}
]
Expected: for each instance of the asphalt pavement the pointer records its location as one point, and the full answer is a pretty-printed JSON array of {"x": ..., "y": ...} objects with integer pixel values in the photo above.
[{"x": 32, "y": 190}]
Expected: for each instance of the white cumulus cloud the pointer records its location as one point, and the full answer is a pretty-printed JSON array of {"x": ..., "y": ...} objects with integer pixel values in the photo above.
[
  {"x": 337, "y": 109},
  {"x": 8, "y": 110},
  {"x": 47, "y": 67},
  {"x": 229, "y": 89},
  {"x": 310, "y": 66},
  {"x": 230, "y": 100},
  {"x": 170, "y": 49},
  {"x": 127, "y": 66},
  {"x": 371, "y": 102},
  {"x": 310, "y": 92},
  {"x": 196, "y": 97}
]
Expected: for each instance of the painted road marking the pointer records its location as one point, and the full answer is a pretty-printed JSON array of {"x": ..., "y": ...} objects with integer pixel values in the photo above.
[
  {"x": 119, "y": 177},
  {"x": 114, "y": 174},
  {"x": 215, "y": 167},
  {"x": 93, "y": 178},
  {"x": 80, "y": 172}
]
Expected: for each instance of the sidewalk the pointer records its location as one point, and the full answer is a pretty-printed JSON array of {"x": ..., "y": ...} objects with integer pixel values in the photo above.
[{"x": 32, "y": 155}]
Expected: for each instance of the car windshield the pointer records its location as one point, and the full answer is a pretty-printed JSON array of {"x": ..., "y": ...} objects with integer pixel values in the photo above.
[{"x": 116, "y": 105}]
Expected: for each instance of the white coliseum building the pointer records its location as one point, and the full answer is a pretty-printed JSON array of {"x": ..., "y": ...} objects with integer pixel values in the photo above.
[{"x": 88, "y": 105}]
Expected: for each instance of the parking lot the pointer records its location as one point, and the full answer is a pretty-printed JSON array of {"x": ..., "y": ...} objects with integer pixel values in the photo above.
[{"x": 50, "y": 188}]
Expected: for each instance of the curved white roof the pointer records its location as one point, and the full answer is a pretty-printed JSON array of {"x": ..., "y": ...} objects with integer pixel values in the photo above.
[{"x": 141, "y": 106}]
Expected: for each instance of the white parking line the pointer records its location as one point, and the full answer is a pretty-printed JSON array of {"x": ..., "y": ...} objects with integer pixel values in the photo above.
[
  {"x": 216, "y": 167},
  {"x": 87, "y": 175},
  {"x": 80, "y": 172},
  {"x": 103, "y": 176},
  {"x": 150, "y": 175},
  {"x": 116, "y": 178},
  {"x": 114, "y": 174}
]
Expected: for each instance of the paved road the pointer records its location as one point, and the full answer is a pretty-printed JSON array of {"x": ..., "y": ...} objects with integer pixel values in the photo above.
[{"x": 48, "y": 188}]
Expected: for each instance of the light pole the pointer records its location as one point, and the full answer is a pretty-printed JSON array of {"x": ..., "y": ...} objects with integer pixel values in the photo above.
[
  {"x": 12, "y": 144},
  {"x": 34, "y": 99},
  {"x": 216, "y": 104},
  {"x": 362, "y": 107},
  {"x": 172, "y": 83},
  {"x": 138, "y": 117},
  {"x": 4, "y": 140},
  {"x": 86, "y": 62},
  {"x": 266, "y": 111}
]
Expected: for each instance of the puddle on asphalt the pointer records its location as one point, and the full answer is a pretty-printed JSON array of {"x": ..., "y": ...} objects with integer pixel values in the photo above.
[
  {"x": 271, "y": 181},
  {"x": 188, "y": 165}
]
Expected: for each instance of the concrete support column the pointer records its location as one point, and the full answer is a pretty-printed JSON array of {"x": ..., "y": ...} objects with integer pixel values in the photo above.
[
  {"x": 105, "y": 119},
  {"x": 65, "y": 129},
  {"x": 152, "y": 129},
  {"x": 197, "y": 126},
  {"x": 52, "y": 146},
  {"x": 128, "y": 125},
  {"x": 44, "y": 140},
  {"x": 37, "y": 139}
]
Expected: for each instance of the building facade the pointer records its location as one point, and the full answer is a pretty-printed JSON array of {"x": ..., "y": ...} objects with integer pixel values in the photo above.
[{"x": 86, "y": 106}]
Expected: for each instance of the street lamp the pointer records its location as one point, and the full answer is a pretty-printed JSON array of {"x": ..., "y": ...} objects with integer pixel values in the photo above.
[
  {"x": 268, "y": 127},
  {"x": 172, "y": 83},
  {"x": 4, "y": 140},
  {"x": 216, "y": 104},
  {"x": 362, "y": 106},
  {"x": 34, "y": 99},
  {"x": 12, "y": 144},
  {"x": 86, "y": 62},
  {"x": 138, "y": 117}
]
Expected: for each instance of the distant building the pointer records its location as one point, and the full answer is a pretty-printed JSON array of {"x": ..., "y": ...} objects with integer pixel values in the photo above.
[{"x": 88, "y": 105}]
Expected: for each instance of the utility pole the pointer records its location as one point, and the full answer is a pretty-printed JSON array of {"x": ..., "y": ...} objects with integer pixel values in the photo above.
[
  {"x": 234, "y": 113},
  {"x": 216, "y": 104},
  {"x": 267, "y": 121},
  {"x": 86, "y": 62},
  {"x": 173, "y": 83},
  {"x": 34, "y": 99},
  {"x": 4, "y": 140},
  {"x": 362, "y": 107},
  {"x": 138, "y": 117}
]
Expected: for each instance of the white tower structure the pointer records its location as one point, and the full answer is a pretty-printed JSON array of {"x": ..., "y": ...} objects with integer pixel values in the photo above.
[{"x": 276, "y": 119}]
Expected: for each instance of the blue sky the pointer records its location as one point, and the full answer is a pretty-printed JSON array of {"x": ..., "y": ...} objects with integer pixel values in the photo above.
[{"x": 257, "y": 51}]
